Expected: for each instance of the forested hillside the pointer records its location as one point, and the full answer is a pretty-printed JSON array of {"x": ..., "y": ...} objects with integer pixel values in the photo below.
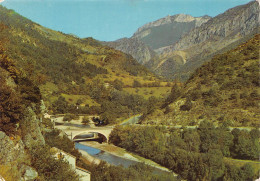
[
  {"x": 21, "y": 139},
  {"x": 204, "y": 153},
  {"x": 74, "y": 75},
  {"x": 223, "y": 91}
]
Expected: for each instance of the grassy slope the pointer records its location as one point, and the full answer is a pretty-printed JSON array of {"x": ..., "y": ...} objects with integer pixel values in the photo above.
[
  {"x": 146, "y": 92},
  {"x": 226, "y": 89},
  {"x": 61, "y": 63}
]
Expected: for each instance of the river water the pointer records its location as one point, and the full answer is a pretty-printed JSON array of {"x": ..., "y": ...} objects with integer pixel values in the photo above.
[
  {"x": 112, "y": 159},
  {"x": 102, "y": 155}
]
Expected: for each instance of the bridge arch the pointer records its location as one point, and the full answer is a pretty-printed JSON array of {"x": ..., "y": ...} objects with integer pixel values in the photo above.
[{"x": 92, "y": 135}]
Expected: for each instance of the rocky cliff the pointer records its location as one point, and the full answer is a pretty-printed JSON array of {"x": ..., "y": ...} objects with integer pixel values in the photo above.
[
  {"x": 166, "y": 31},
  {"x": 202, "y": 42},
  {"x": 241, "y": 21}
]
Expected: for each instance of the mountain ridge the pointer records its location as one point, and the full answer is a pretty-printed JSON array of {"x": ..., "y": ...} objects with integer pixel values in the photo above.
[
  {"x": 217, "y": 33},
  {"x": 177, "y": 52},
  {"x": 171, "y": 19}
]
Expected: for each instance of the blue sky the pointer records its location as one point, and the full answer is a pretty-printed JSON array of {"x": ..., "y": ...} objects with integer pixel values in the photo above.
[{"x": 109, "y": 20}]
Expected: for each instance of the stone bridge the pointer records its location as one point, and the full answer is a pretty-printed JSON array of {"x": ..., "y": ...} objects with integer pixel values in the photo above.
[{"x": 104, "y": 131}]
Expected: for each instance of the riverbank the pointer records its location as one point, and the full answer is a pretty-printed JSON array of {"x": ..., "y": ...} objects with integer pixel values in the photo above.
[
  {"x": 120, "y": 152},
  {"x": 90, "y": 158}
]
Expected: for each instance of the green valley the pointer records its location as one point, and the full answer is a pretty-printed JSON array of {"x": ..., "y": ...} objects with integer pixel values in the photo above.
[{"x": 79, "y": 109}]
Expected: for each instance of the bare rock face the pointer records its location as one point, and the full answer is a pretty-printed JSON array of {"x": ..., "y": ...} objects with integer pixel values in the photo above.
[
  {"x": 31, "y": 132},
  {"x": 13, "y": 155},
  {"x": 218, "y": 33},
  {"x": 30, "y": 174},
  {"x": 168, "y": 30},
  {"x": 240, "y": 20},
  {"x": 171, "y": 19},
  {"x": 9, "y": 151}
]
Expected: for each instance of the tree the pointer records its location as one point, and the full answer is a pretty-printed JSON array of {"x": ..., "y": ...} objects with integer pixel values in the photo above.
[
  {"x": 246, "y": 146},
  {"x": 247, "y": 172},
  {"x": 152, "y": 104},
  {"x": 11, "y": 109},
  {"x": 192, "y": 140},
  {"x": 68, "y": 117},
  {"x": 117, "y": 84},
  {"x": 136, "y": 83},
  {"x": 60, "y": 106},
  {"x": 85, "y": 120},
  {"x": 79, "y": 102},
  {"x": 175, "y": 93},
  {"x": 208, "y": 136}
]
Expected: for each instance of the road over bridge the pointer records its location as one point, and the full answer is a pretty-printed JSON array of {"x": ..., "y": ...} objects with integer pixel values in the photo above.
[{"x": 104, "y": 131}]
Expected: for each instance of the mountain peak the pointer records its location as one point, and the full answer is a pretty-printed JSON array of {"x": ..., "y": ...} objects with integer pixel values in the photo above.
[{"x": 184, "y": 18}]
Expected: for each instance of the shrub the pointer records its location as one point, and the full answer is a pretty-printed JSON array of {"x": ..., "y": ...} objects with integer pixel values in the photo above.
[
  {"x": 47, "y": 123},
  {"x": 85, "y": 120},
  {"x": 136, "y": 84},
  {"x": 68, "y": 117}
]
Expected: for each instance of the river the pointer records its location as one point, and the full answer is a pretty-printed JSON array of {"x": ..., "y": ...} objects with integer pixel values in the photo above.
[
  {"x": 113, "y": 159},
  {"x": 102, "y": 155}
]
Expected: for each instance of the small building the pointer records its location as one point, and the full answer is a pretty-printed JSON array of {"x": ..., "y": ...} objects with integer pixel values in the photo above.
[{"x": 84, "y": 174}]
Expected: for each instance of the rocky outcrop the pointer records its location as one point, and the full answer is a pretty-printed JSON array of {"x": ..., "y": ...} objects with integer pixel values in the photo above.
[
  {"x": 13, "y": 155},
  {"x": 10, "y": 152},
  {"x": 30, "y": 174},
  {"x": 31, "y": 132}
]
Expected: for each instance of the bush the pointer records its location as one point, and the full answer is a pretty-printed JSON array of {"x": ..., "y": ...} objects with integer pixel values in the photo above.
[
  {"x": 68, "y": 117},
  {"x": 85, "y": 120},
  {"x": 136, "y": 84},
  {"x": 47, "y": 123}
]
